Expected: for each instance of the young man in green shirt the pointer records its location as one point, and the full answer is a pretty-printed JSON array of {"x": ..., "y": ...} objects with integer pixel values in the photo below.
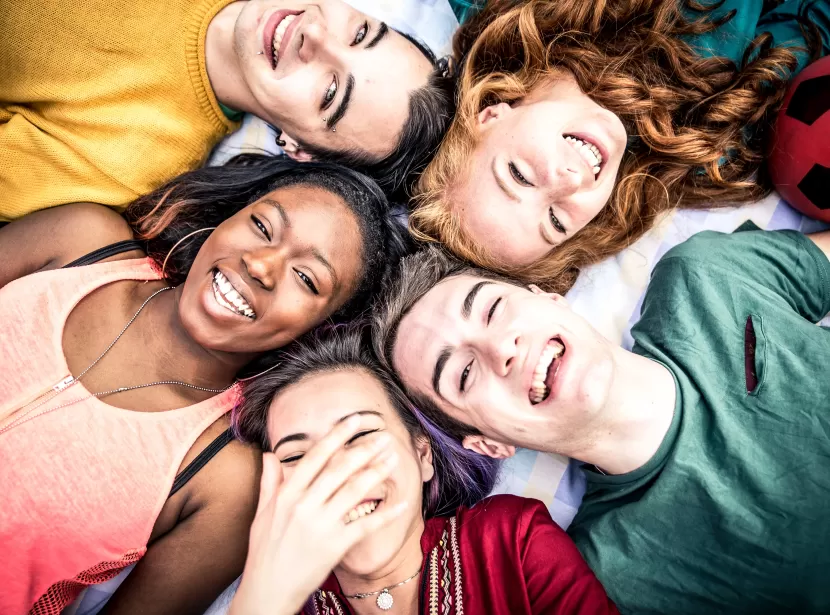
[{"x": 707, "y": 448}]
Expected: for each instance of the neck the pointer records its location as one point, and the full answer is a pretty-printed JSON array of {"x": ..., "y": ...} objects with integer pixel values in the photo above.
[
  {"x": 640, "y": 411},
  {"x": 222, "y": 62},
  {"x": 405, "y": 563},
  {"x": 182, "y": 357}
]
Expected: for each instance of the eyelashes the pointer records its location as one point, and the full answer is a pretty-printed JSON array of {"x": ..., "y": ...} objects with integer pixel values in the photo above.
[
  {"x": 357, "y": 436},
  {"x": 307, "y": 281},
  {"x": 492, "y": 310},
  {"x": 261, "y": 227},
  {"x": 520, "y": 179}
]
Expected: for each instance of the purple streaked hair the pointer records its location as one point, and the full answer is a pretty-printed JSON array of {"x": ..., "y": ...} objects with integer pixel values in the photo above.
[{"x": 462, "y": 477}]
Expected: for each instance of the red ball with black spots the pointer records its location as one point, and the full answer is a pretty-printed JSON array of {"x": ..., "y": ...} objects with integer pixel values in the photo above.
[{"x": 799, "y": 160}]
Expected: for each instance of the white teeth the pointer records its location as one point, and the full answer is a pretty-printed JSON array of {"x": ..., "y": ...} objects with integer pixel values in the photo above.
[
  {"x": 361, "y": 511},
  {"x": 538, "y": 388},
  {"x": 279, "y": 32},
  {"x": 589, "y": 152},
  {"x": 228, "y": 297}
]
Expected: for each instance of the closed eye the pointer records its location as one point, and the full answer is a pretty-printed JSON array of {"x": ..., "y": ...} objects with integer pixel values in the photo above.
[
  {"x": 292, "y": 458},
  {"x": 520, "y": 179},
  {"x": 360, "y": 434},
  {"x": 330, "y": 95},
  {"x": 361, "y": 34},
  {"x": 307, "y": 281},
  {"x": 464, "y": 375},
  {"x": 262, "y": 228},
  {"x": 556, "y": 223},
  {"x": 492, "y": 310}
]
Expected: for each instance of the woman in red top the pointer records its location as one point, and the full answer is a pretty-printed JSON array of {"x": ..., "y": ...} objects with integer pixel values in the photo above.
[{"x": 358, "y": 481}]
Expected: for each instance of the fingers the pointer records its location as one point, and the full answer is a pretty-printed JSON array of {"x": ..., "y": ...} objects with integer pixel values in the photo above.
[
  {"x": 269, "y": 482},
  {"x": 317, "y": 458},
  {"x": 360, "y": 485},
  {"x": 345, "y": 465}
]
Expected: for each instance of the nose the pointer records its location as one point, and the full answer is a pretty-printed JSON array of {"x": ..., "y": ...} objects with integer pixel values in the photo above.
[
  {"x": 566, "y": 172},
  {"x": 263, "y": 266},
  {"x": 318, "y": 44},
  {"x": 502, "y": 349}
]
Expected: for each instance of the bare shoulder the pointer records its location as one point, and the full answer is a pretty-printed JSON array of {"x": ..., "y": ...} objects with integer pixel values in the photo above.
[{"x": 52, "y": 238}]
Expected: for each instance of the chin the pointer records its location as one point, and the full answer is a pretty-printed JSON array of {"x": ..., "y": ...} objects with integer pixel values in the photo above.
[{"x": 372, "y": 555}]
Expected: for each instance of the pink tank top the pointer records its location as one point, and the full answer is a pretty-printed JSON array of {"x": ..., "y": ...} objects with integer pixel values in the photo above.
[{"x": 82, "y": 482}]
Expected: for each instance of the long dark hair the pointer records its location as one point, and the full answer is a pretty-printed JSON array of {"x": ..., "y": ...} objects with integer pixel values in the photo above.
[
  {"x": 208, "y": 196},
  {"x": 462, "y": 477},
  {"x": 431, "y": 109}
]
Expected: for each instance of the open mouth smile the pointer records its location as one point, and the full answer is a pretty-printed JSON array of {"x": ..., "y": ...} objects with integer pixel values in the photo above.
[
  {"x": 545, "y": 372},
  {"x": 366, "y": 507},
  {"x": 277, "y": 32},
  {"x": 589, "y": 152},
  {"x": 229, "y": 298}
]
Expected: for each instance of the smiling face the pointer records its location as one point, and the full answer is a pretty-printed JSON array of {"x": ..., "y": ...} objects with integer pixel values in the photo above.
[
  {"x": 541, "y": 171},
  {"x": 272, "y": 271},
  {"x": 487, "y": 352},
  {"x": 306, "y": 411},
  {"x": 326, "y": 66}
]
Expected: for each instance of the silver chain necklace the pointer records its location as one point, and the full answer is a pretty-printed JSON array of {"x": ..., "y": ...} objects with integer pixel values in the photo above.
[
  {"x": 384, "y": 600},
  {"x": 71, "y": 380}
]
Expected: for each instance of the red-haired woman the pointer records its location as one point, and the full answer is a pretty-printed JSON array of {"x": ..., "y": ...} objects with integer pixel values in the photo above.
[{"x": 580, "y": 121}]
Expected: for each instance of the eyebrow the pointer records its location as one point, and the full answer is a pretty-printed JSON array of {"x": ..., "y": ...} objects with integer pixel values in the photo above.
[
  {"x": 510, "y": 194},
  {"x": 298, "y": 437},
  {"x": 383, "y": 30},
  {"x": 323, "y": 261},
  {"x": 286, "y": 221},
  {"x": 446, "y": 351},
  {"x": 344, "y": 104},
  {"x": 467, "y": 306}
]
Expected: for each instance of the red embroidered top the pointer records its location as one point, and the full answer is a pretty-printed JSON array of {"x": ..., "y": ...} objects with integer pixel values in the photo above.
[{"x": 513, "y": 560}]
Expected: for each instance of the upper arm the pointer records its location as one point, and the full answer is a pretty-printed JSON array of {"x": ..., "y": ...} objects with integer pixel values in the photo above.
[
  {"x": 558, "y": 579},
  {"x": 185, "y": 570},
  {"x": 785, "y": 263},
  {"x": 54, "y": 237}
]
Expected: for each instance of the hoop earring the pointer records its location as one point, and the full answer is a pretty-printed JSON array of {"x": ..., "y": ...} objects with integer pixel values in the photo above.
[
  {"x": 259, "y": 374},
  {"x": 176, "y": 245}
]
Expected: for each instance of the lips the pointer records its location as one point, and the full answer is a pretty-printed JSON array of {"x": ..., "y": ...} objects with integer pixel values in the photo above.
[
  {"x": 365, "y": 508},
  {"x": 588, "y": 150},
  {"x": 277, "y": 32},
  {"x": 227, "y": 295},
  {"x": 545, "y": 371}
]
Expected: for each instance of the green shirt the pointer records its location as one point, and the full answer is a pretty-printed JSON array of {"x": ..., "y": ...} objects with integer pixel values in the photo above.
[
  {"x": 732, "y": 514},
  {"x": 731, "y": 39}
]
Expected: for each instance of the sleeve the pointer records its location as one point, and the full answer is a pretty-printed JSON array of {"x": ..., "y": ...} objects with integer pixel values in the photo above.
[
  {"x": 38, "y": 170},
  {"x": 557, "y": 578},
  {"x": 783, "y": 23},
  {"x": 464, "y": 9},
  {"x": 784, "y": 262}
]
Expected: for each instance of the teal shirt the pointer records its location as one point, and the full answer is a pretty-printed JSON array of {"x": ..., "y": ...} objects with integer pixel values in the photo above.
[
  {"x": 732, "y": 38},
  {"x": 732, "y": 513}
]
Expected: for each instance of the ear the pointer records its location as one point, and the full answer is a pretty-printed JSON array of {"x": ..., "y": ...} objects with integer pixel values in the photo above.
[
  {"x": 493, "y": 112},
  {"x": 424, "y": 452},
  {"x": 553, "y": 296},
  {"x": 488, "y": 448},
  {"x": 294, "y": 150}
]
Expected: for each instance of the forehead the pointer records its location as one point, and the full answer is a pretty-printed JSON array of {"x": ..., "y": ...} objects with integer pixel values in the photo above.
[
  {"x": 317, "y": 402},
  {"x": 385, "y": 77},
  {"x": 434, "y": 322}
]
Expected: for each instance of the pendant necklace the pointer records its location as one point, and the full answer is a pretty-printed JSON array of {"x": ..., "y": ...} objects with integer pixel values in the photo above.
[{"x": 384, "y": 598}]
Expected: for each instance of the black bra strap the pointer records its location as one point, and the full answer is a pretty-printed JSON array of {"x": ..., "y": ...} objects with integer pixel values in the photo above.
[
  {"x": 201, "y": 459},
  {"x": 100, "y": 254}
]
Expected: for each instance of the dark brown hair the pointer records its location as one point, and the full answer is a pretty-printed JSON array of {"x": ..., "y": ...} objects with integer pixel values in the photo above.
[{"x": 697, "y": 125}]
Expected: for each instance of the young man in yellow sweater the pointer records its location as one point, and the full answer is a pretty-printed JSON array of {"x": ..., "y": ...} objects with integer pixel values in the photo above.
[{"x": 104, "y": 100}]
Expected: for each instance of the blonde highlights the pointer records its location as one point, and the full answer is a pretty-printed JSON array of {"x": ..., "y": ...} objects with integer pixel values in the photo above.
[{"x": 697, "y": 125}]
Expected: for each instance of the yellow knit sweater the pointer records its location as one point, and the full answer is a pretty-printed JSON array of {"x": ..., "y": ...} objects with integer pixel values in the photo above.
[{"x": 102, "y": 100}]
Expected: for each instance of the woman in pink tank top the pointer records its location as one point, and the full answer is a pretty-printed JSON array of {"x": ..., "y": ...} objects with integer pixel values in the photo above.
[{"x": 118, "y": 374}]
